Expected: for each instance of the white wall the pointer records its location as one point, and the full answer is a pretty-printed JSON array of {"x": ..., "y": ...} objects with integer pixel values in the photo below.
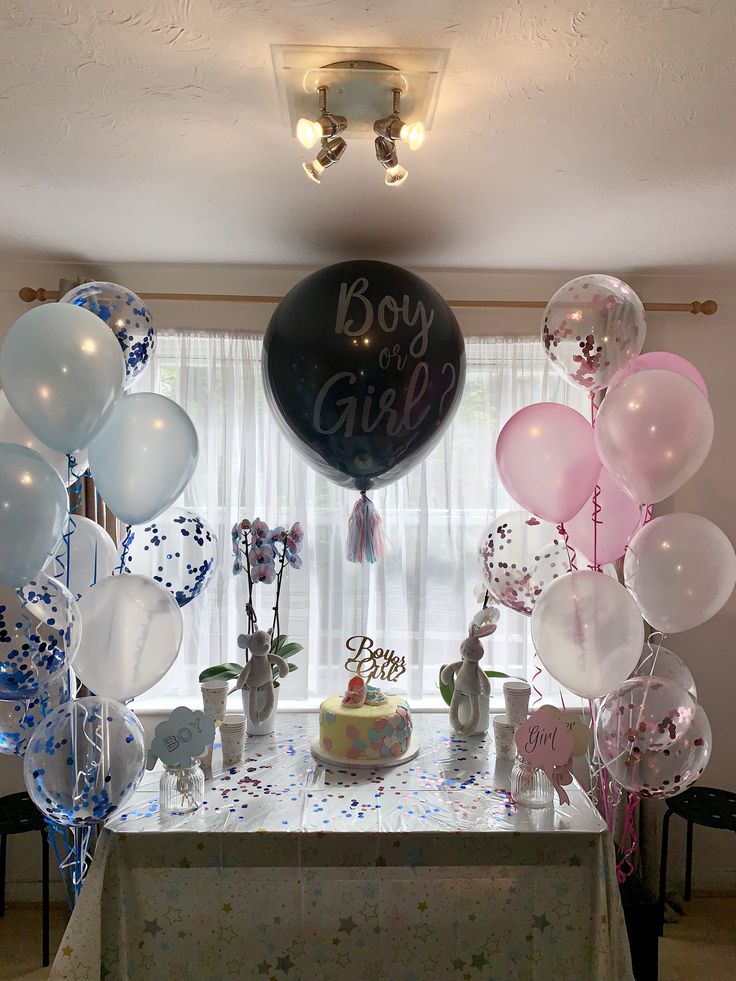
[{"x": 710, "y": 342}]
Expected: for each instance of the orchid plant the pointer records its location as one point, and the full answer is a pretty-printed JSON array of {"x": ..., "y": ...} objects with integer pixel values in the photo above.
[{"x": 264, "y": 554}]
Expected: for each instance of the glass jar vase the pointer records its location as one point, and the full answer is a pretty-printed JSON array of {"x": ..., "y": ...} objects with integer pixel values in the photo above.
[
  {"x": 530, "y": 787},
  {"x": 181, "y": 788}
]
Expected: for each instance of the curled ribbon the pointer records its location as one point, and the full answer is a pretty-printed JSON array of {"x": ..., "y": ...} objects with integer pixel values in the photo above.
[{"x": 561, "y": 777}]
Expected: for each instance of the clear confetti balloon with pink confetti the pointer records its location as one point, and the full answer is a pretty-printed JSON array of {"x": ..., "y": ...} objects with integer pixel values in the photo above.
[
  {"x": 653, "y": 737},
  {"x": 593, "y": 326},
  {"x": 519, "y": 555}
]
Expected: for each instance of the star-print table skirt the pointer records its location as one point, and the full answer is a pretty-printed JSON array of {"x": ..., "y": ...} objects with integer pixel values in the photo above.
[{"x": 294, "y": 870}]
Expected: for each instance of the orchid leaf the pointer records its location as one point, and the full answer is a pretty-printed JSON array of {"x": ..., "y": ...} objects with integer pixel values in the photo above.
[{"x": 221, "y": 672}]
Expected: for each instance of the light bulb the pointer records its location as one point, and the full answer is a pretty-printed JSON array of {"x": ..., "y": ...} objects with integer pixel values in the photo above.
[
  {"x": 313, "y": 170},
  {"x": 412, "y": 134},
  {"x": 396, "y": 175},
  {"x": 308, "y": 132}
]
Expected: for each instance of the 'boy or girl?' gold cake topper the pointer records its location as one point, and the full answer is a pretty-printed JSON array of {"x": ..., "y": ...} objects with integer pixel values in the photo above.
[{"x": 371, "y": 662}]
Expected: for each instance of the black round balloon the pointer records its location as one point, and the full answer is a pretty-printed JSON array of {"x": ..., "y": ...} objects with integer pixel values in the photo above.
[{"x": 364, "y": 367}]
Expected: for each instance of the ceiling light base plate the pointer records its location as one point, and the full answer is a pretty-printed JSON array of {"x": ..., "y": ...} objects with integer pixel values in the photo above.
[{"x": 359, "y": 82}]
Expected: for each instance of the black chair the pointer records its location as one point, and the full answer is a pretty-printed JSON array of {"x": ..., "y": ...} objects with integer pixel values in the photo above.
[
  {"x": 19, "y": 814},
  {"x": 699, "y": 805}
]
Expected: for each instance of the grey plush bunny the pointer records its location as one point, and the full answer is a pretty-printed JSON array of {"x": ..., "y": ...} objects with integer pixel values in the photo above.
[
  {"x": 257, "y": 675},
  {"x": 471, "y": 684}
]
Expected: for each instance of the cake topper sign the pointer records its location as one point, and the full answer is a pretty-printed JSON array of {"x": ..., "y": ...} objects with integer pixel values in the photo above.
[{"x": 373, "y": 663}]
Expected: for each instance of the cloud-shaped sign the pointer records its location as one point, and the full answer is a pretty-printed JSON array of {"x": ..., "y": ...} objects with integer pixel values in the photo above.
[{"x": 184, "y": 735}]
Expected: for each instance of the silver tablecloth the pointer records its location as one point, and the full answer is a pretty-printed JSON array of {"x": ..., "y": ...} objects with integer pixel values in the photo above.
[{"x": 296, "y": 870}]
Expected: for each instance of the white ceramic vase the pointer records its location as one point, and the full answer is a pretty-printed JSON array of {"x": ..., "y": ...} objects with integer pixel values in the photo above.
[{"x": 266, "y": 727}]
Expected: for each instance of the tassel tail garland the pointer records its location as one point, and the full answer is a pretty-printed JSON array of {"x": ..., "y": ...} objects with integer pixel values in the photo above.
[{"x": 365, "y": 532}]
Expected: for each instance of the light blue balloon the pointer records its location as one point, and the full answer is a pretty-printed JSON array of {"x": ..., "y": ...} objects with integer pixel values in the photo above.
[
  {"x": 144, "y": 457},
  {"x": 33, "y": 513},
  {"x": 126, "y": 315},
  {"x": 62, "y": 370},
  {"x": 84, "y": 760}
]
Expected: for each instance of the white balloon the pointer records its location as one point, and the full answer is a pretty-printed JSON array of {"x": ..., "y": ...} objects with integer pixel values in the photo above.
[
  {"x": 132, "y": 632},
  {"x": 92, "y": 556},
  {"x": 681, "y": 569},
  {"x": 14, "y": 430},
  {"x": 588, "y": 632}
]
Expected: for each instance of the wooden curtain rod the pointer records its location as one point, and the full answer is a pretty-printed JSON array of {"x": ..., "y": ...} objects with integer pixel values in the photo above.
[{"x": 706, "y": 307}]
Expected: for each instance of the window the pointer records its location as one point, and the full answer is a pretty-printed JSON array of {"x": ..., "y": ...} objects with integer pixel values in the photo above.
[{"x": 417, "y": 601}]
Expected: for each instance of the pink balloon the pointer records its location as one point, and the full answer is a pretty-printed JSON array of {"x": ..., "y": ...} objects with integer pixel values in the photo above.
[
  {"x": 618, "y": 519},
  {"x": 662, "y": 361},
  {"x": 547, "y": 461},
  {"x": 653, "y": 432}
]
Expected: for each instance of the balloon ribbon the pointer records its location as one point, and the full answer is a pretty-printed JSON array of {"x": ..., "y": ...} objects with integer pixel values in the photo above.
[{"x": 365, "y": 532}]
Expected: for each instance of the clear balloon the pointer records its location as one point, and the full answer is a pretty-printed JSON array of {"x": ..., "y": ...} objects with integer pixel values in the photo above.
[
  {"x": 19, "y": 718},
  {"x": 653, "y": 737},
  {"x": 178, "y": 550},
  {"x": 616, "y": 521},
  {"x": 652, "y": 432},
  {"x": 40, "y": 629},
  {"x": 91, "y": 556},
  {"x": 62, "y": 371},
  {"x": 547, "y": 461},
  {"x": 14, "y": 430},
  {"x": 84, "y": 761},
  {"x": 680, "y": 569},
  {"x": 592, "y": 327},
  {"x": 132, "y": 634},
  {"x": 663, "y": 361},
  {"x": 128, "y": 318},
  {"x": 144, "y": 457},
  {"x": 33, "y": 513},
  {"x": 660, "y": 662},
  {"x": 588, "y": 632},
  {"x": 518, "y": 556}
]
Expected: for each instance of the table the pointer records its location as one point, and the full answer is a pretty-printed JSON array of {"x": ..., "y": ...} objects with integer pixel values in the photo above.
[{"x": 293, "y": 870}]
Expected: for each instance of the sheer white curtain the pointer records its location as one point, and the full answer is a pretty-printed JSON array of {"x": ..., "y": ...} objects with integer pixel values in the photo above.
[{"x": 419, "y": 600}]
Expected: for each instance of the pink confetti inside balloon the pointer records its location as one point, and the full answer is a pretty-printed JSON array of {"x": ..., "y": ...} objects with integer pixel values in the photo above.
[
  {"x": 519, "y": 555},
  {"x": 593, "y": 326},
  {"x": 653, "y": 737}
]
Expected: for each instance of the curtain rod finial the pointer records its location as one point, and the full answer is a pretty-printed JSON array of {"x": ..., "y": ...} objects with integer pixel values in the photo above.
[{"x": 707, "y": 307}]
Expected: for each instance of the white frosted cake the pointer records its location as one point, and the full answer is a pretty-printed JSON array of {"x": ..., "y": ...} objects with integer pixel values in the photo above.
[{"x": 376, "y": 728}]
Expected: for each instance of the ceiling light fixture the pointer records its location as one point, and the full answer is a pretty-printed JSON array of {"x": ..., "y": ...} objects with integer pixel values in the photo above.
[
  {"x": 394, "y": 128},
  {"x": 325, "y": 129},
  {"x": 327, "y": 125},
  {"x": 330, "y": 153},
  {"x": 388, "y": 157}
]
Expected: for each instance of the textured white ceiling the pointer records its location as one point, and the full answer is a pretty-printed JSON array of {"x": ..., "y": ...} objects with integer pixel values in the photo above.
[{"x": 595, "y": 135}]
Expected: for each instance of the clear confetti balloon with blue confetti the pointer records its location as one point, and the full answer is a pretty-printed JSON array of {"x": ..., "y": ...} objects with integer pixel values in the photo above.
[
  {"x": 84, "y": 761},
  {"x": 40, "y": 631},
  {"x": 19, "y": 718},
  {"x": 178, "y": 550},
  {"x": 126, "y": 315}
]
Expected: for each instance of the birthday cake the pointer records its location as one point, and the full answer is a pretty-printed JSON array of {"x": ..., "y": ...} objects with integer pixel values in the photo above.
[{"x": 365, "y": 726}]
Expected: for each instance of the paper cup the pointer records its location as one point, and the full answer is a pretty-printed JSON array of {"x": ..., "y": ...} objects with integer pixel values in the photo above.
[
  {"x": 504, "y": 738},
  {"x": 214, "y": 699},
  {"x": 516, "y": 695},
  {"x": 232, "y": 735}
]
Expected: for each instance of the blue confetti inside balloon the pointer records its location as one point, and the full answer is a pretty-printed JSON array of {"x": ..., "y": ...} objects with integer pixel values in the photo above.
[
  {"x": 40, "y": 631},
  {"x": 126, "y": 315},
  {"x": 84, "y": 761},
  {"x": 178, "y": 550},
  {"x": 19, "y": 718}
]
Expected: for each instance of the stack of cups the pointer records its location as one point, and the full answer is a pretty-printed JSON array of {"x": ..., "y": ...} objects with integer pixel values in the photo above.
[
  {"x": 232, "y": 733},
  {"x": 516, "y": 695},
  {"x": 214, "y": 701}
]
